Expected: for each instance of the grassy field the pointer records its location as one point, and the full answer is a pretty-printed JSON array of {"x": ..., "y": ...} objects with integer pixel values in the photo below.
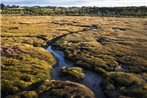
[
  {"x": 25, "y": 61},
  {"x": 116, "y": 50}
]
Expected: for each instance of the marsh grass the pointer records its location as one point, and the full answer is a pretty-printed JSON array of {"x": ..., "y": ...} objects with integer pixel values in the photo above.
[{"x": 116, "y": 49}]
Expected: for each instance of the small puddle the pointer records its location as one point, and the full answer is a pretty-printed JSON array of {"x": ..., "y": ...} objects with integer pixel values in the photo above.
[
  {"x": 93, "y": 27},
  {"x": 91, "y": 80}
]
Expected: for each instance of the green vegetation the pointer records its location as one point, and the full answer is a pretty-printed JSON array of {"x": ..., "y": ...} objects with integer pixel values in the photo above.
[
  {"x": 76, "y": 11},
  {"x": 129, "y": 85},
  {"x": 23, "y": 65},
  {"x": 57, "y": 89},
  {"x": 25, "y": 62},
  {"x": 75, "y": 72},
  {"x": 116, "y": 50}
]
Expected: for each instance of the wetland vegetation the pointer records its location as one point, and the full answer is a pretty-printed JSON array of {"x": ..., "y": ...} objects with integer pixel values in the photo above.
[
  {"x": 111, "y": 49},
  {"x": 75, "y": 11}
]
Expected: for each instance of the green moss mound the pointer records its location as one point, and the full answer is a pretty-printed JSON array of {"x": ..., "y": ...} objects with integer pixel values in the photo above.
[
  {"x": 75, "y": 72},
  {"x": 23, "y": 65}
]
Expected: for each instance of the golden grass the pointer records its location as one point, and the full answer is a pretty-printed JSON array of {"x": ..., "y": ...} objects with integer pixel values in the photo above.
[{"x": 116, "y": 42}]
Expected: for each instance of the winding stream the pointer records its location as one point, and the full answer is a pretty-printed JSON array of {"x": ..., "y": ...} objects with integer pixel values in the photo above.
[{"x": 91, "y": 80}]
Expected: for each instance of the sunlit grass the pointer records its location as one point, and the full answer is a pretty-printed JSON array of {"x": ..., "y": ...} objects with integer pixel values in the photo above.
[{"x": 116, "y": 50}]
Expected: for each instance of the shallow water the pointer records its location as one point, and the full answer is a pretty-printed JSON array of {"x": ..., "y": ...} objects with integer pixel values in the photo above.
[
  {"x": 61, "y": 62},
  {"x": 91, "y": 80},
  {"x": 93, "y": 27}
]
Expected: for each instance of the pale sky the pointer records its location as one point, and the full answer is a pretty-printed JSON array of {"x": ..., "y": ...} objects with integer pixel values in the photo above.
[{"x": 67, "y": 3}]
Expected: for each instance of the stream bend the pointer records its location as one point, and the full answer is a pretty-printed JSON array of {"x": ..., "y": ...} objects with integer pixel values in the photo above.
[{"x": 91, "y": 80}]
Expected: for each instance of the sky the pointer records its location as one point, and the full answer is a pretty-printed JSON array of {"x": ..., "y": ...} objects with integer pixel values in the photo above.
[{"x": 79, "y": 3}]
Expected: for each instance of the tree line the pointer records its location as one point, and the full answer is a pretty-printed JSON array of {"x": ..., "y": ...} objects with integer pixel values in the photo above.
[{"x": 75, "y": 11}]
